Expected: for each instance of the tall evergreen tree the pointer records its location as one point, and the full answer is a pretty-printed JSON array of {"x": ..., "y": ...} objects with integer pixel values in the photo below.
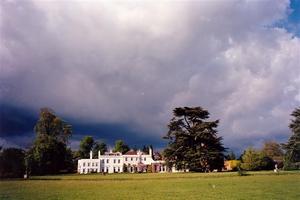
[
  {"x": 292, "y": 147},
  {"x": 193, "y": 141},
  {"x": 49, "y": 153}
]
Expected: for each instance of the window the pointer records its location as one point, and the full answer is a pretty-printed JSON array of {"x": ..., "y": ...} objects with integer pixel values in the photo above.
[
  {"x": 118, "y": 169},
  {"x": 84, "y": 164},
  {"x": 131, "y": 159},
  {"x": 88, "y": 164},
  {"x": 114, "y": 169},
  {"x": 107, "y": 161},
  {"x": 114, "y": 160},
  {"x": 93, "y": 164},
  {"x": 96, "y": 164},
  {"x": 107, "y": 169},
  {"x": 126, "y": 159},
  {"x": 136, "y": 159},
  {"x": 83, "y": 171},
  {"x": 144, "y": 159},
  {"x": 118, "y": 160}
]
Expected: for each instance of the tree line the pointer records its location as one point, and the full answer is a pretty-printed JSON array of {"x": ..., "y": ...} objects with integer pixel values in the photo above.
[
  {"x": 50, "y": 152},
  {"x": 193, "y": 143}
]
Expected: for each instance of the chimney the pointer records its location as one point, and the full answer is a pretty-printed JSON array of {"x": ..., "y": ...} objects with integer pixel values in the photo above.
[
  {"x": 91, "y": 154},
  {"x": 150, "y": 151},
  {"x": 99, "y": 154}
]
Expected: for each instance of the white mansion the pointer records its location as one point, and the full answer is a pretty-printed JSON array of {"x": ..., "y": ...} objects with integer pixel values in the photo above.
[{"x": 116, "y": 162}]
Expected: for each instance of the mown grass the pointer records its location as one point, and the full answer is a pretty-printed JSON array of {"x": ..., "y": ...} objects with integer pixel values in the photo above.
[{"x": 257, "y": 185}]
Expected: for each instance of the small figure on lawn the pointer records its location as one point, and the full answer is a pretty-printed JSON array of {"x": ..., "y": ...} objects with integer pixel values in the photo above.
[{"x": 276, "y": 168}]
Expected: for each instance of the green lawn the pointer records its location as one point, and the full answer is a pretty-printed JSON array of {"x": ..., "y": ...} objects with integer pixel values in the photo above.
[{"x": 259, "y": 185}]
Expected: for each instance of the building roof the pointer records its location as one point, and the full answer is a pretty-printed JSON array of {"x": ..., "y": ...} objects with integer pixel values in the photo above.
[{"x": 131, "y": 152}]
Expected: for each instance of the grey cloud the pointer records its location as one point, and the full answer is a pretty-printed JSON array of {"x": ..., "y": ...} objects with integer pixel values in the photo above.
[{"x": 133, "y": 62}]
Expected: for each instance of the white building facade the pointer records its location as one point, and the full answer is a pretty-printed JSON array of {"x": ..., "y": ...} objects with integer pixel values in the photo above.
[{"x": 116, "y": 162}]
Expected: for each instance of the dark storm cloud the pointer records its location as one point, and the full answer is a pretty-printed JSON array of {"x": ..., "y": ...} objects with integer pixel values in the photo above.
[
  {"x": 16, "y": 121},
  {"x": 130, "y": 63},
  {"x": 109, "y": 133},
  {"x": 17, "y": 129}
]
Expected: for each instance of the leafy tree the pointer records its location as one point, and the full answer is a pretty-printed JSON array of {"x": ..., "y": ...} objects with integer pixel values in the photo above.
[
  {"x": 12, "y": 163},
  {"x": 86, "y": 145},
  {"x": 193, "y": 141},
  {"x": 273, "y": 150},
  {"x": 120, "y": 146},
  {"x": 99, "y": 146},
  {"x": 48, "y": 156},
  {"x": 292, "y": 147},
  {"x": 49, "y": 153},
  {"x": 51, "y": 125},
  {"x": 253, "y": 159}
]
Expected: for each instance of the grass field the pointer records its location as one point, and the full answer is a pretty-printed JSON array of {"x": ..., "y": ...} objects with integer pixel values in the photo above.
[{"x": 256, "y": 185}]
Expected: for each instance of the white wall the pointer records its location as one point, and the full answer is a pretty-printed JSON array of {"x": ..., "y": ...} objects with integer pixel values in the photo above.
[{"x": 113, "y": 162}]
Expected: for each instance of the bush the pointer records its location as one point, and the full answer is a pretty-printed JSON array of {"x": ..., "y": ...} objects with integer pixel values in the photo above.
[
  {"x": 256, "y": 160},
  {"x": 267, "y": 163},
  {"x": 12, "y": 163}
]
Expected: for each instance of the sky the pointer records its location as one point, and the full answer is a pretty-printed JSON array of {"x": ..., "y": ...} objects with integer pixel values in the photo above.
[{"x": 117, "y": 69}]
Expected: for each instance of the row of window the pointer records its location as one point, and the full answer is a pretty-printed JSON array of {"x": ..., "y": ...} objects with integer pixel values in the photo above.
[
  {"x": 126, "y": 159},
  {"x": 89, "y": 170},
  {"x": 115, "y": 161},
  {"x": 116, "y": 169},
  {"x": 92, "y": 164},
  {"x": 107, "y": 161},
  {"x": 136, "y": 159}
]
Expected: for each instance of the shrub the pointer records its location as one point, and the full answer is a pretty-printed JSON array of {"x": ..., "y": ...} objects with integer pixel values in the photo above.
[
  {"x": 256, "y": 160},
  {"x": 12, "y": 163}
]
